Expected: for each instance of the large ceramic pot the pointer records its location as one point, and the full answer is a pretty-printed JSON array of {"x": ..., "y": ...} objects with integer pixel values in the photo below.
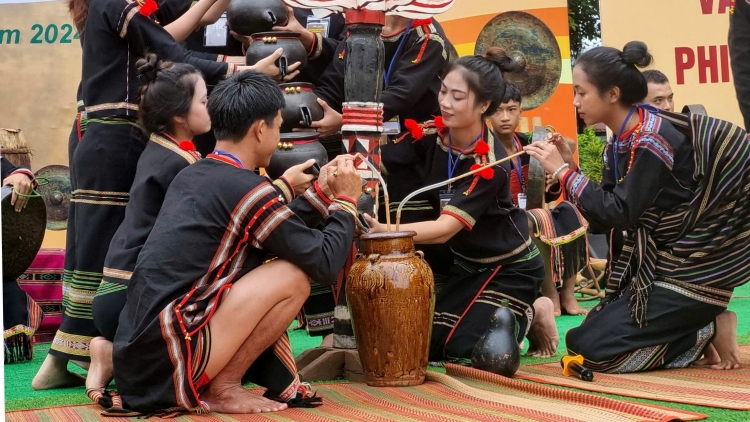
[
  {"x": 301, "y": 106},
  {"x": 296, "y": 148},
  {"x": 391, "y": 294},
  {"x": 265, "y": 43},
  {"x": 247, "y": 17}
]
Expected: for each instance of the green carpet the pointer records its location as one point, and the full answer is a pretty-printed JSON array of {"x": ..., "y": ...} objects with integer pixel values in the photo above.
[{"x": 19, "y": 394}]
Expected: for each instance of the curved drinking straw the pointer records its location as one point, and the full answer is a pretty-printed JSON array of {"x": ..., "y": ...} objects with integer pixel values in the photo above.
[
  {"x": 447, "y": 182},
  {"x": 382, "y": 183}
]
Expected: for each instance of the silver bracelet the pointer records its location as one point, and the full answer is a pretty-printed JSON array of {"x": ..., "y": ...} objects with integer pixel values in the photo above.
[{"x": 559, "y": 169}]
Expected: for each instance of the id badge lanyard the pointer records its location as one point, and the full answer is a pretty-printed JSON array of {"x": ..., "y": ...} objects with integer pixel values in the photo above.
[
  {"x": 518, "y": 169},
  {"x": 389, "y": 71}
]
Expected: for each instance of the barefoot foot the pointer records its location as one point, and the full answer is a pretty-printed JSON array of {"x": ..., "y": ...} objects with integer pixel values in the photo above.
[
  {"x": 101, "y": 368},
  {"x": 570, "y": 306},
  {"x": 710, "y": 357},
  {"x": 568, "y": 300},
  {"x": 235, "y": 399},
  {"x": 54, "y": 374},
  {"x": 543, "y": 337},
  {"x": 725, "y": 341}
]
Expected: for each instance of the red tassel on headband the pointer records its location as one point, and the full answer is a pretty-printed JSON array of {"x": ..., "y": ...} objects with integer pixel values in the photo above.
[{"x": 148, "y": 7}]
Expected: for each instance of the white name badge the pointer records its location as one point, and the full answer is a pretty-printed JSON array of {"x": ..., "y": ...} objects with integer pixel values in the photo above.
[
  {"x": 392, "y": 127},
  {"x": 215, "y": 35},
  {"x": 319, "y": 25},
  {"x": 522, "y": 201}
]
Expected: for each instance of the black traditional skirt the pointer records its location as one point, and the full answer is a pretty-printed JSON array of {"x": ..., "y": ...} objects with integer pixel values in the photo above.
[
  {"x": 468, "y": 298},
  {"x": 102, "y": 170},
  {"x": 681, "y": 323},
  {"x": 563, "y": 228}
]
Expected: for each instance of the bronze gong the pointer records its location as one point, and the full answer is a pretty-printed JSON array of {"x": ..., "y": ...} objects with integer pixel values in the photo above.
[
  {"x": 537, "y": 182},
  {"x": 532, "y": 44},
  {"x": 23, "y": 233},
  {"x": 56, "y": 195}
]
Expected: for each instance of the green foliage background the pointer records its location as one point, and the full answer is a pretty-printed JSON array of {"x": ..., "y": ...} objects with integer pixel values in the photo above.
[{"x": 590, "y": 152}]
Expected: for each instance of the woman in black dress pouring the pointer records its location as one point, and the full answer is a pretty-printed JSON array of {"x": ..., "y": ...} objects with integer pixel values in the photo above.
[{"x": 494, "y": 256}]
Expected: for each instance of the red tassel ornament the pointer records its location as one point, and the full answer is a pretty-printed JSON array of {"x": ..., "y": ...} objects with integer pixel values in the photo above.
[
  {"x": 148, "y": 7},
  {"x": 187, "y": 146},
  {"x": 482, "y": 148},
  {"x": 439, "y": 125},
  {"x": 487, "y": 173},
  {"x": 414, "y": 129}
]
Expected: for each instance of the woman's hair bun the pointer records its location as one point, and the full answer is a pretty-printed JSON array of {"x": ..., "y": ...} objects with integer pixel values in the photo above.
[
  {"x": 148, "y": 68},
  {"x": 636, "y": 53},
  {"x": 501, "y": 59}
]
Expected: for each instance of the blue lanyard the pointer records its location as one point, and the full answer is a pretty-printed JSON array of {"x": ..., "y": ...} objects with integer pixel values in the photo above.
[
  {"x": 452, "y": 164},
  {"x": 226, "y": 154},
  {"x": 615, "y": 147},
  {"x": 519, "y": 168},
  {"x": 398, "y": 50}
]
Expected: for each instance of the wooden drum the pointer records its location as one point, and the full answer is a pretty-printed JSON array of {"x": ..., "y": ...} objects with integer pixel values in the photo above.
[
  {"x": 14, "y": 148},
  {"x": 391, "y": 294}
]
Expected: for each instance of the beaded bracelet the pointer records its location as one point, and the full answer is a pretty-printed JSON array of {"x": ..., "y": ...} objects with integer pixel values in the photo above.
[{"x": 559, "y": 169}]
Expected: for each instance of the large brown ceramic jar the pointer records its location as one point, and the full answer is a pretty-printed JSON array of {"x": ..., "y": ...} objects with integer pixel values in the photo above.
[{"x": 391, "y": 294}]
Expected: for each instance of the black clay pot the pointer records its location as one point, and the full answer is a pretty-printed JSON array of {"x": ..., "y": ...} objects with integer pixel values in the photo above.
[
  {"x": 301, "y": 106},
  {"x": 247, "y": 17},
  {"x": 296, "y": 148},
  {"x": 265, "y": 43},
  {"x": 497, "y": 350}
]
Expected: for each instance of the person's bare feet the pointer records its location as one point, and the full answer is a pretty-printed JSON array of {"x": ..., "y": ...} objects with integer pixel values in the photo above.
[
  {"x": 710, "y": 357},
  {"x": 568, "y": 301},
  {"x": 725, "y": 341},
  {"x": 543, "y": 337},
  {"x": 54, "y": 374},
  {"x": 235, "y": 399},
  {"x": 101, "y": 368}
]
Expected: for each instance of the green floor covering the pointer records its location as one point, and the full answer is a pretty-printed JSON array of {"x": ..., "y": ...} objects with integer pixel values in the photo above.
[{"x": 19, "y": 395}]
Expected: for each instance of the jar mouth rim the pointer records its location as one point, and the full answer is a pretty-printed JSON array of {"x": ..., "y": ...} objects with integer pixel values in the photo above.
[{"x": 388, "y": 235}]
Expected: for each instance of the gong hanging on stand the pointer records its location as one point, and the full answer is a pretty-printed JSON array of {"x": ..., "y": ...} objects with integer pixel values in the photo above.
[
  {"x": 531, "y": 43},
  {"x": 56, "y": 194}
]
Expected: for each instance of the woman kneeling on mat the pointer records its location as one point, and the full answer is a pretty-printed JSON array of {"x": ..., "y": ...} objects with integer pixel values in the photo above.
[
  {"x": 494, "y": 257},
  {"x": 677, "y": 184}
]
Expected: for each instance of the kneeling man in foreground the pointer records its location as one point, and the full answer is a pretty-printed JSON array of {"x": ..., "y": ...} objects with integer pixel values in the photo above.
[{"x": 203, "y": 309}]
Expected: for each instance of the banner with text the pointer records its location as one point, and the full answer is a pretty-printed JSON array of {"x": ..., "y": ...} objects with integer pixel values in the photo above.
[{"x": 688, "y": 39}]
